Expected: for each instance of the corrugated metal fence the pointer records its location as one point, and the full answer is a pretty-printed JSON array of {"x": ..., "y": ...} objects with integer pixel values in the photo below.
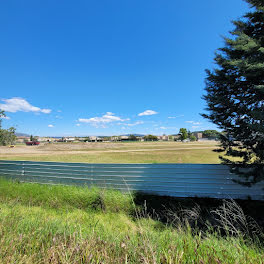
[{"x": 179, "y": 180}]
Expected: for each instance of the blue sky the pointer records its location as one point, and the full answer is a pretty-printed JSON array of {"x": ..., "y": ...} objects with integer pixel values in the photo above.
[{"x": 109, "y": 67}]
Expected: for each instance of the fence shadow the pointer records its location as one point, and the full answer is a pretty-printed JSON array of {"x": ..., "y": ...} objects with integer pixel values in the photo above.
[{"x": 198, "y": 211}]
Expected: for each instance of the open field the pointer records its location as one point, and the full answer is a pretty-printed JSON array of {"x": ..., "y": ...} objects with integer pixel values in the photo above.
[
  {"x": 129, "y": 152},
  {"x": 62, "y": 224}
]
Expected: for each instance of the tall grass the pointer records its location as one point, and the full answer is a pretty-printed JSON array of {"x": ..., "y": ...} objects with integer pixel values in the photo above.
[
  {"x": 65, "y": 197},
  {"x": 58, "y": 224}
]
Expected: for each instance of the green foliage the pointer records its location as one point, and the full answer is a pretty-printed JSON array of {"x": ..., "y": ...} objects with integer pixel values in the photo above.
[
  {"x": 32, "y": 138},
  {"x": 132, "y": 137},
  {"x": 183, "y": 134},
  {"x": 150, "y": 138},
  {"x": 235, "y": 94},
  {"x": 193, "y": 138},
  {"x": 7, "y": 136},
  {"x": 211, "y": 134}
]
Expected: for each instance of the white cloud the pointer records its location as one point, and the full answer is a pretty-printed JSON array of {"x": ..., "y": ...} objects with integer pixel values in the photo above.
[
  {"x": 172, "y": 117},
  {"x": 147, "y": 113},
  {"x": 109, "y": 117},
  {"x": 136, "y": 123},
  {"x": 193, "y": 122},
  {"x": 50, "y": 126},
  {"x": 78, "y": 125},
  {"x": 45, "y": 111},
  {"x": 162, "y": 127},
  {"x": 17, "y": 104},
  {"x": 194, "y": 127}
]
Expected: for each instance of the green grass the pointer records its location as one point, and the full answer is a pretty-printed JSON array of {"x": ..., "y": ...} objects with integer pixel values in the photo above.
[
  {"x": 65, "y": 197},
  {"x": 66, "y": 224}
]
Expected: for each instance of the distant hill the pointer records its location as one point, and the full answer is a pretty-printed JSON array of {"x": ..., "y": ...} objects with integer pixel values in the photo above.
[
  {"x": 27, "y": 135},
  {"x": 136, "y": 135},
  {"x": 22, "y": 135}
]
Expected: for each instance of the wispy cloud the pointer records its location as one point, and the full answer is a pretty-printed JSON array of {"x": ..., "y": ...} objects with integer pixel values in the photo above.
[
  {"x": 101, "y": 121},
  {"x": 148, "y": 113},
  {"x": 50, "y": 125},
  {"x": 78, "y": 125},
  {"x": 135, "y": 124},
  {"x": 173, "y": 117},
  {"x": 166, "y": 127},
  {"x": 193, "y": 122},
  {"x": 17, "y": 104}
]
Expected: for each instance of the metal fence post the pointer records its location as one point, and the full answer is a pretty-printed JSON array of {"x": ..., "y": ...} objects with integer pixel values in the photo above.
[
  {"x": 23, "y": 170},
  {"x": 92, "y": 175}
]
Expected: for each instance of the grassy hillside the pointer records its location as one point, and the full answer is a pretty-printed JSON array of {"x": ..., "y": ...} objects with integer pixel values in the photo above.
[{"x": 66, "y": 224}]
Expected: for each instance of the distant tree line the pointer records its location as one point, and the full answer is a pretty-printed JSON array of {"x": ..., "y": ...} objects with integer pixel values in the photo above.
[
  {"x": 150, "y": 138},
  {"x": 188, "y": 135},
  {"x": 132, "y": 137},
  {"x": 211, "y": 134}
]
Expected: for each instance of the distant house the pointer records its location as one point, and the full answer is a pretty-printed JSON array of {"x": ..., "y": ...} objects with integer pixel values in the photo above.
[
  {"x": 95, "y": 139},
  {"x": 106, "y": 139},
  {"x": 175, "y": 137},
  {"x": 198, "y": 135},
  {"x": 115, "y": 138},
  {"x": 22, "y": 139},
  {"x": 163, "y": 138},
  {"x": 69, "y": 139},
  {"x": 46, "y": 139}
]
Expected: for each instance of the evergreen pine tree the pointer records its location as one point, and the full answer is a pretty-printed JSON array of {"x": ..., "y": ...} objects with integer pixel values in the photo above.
[{"x": 235, "y": 95}]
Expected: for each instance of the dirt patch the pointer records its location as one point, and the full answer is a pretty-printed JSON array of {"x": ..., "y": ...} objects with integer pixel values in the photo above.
[{"x": 79, "y": 146}]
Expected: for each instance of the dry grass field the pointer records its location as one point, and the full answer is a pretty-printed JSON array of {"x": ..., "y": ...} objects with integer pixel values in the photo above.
[{"x": 119, "y": 152}]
